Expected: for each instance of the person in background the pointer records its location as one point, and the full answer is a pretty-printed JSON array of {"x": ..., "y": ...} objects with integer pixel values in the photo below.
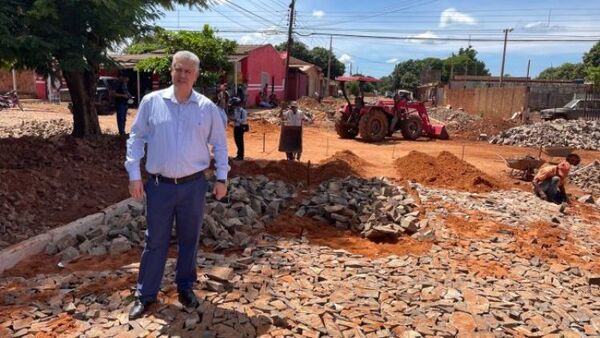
[
  {"x": 240, "y": 126},
  {"x": 121, "y": 95},
  {"x": 241, "y": 94},
  {"x": 223, "y": 102},
  {"x": 291, "y": 132},
  {"x": 549, "y": 182},
  {"x": 176, "y": 125}
]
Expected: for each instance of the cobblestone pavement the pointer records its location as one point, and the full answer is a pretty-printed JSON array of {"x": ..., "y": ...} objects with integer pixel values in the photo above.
[{"x": 501, "y": 264}]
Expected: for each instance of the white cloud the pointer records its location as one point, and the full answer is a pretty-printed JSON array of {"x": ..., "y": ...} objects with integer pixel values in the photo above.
[
  {"x": 345, "y": 59},
  {"x": 534, "y": 25},
  {"x": 318, "y": 14},
  {"x": 423, "y": 38},
  {"x": 451, "y": 16},
  {"x": 263, "y": 36},
  {"x": 392, "y": 61}
]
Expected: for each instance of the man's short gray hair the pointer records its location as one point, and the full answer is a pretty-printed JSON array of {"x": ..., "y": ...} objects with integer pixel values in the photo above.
[{"x": 187, "y": 56}]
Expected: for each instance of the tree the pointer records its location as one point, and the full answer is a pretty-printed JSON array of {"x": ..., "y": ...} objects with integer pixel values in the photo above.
[
  {"x": 463, "y": 63},
  {"x": 299, "y": 51},
  {"x": 592, "y": 58},
  {"x": 593, "y": 75},
  {"x": 320, "y": 57},
  {"x": 74, "y": 37},
  {"x": 566, "y": 71},
  {"x": 213, "y": 52}
]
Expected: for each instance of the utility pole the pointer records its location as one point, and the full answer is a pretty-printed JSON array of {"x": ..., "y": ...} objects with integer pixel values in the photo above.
[
  {"x": 506, "y": 31},
  {"x": 289, "y": 50},
  {"x": 528, "y": 65},
  {"x": 351, "y": 68},
  {"x": 329, "y": 62}
]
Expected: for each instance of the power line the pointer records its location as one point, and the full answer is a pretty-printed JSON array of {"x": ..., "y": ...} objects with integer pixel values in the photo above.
[
  {"x": 249, "y": 12},
  {"x": 362, "y": 17},
  {"x": 580, "y": 39}
]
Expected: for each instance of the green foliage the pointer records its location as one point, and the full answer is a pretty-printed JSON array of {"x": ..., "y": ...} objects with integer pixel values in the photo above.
[
  {"x": 318, "y": 56},
  {"x": 77, "y": 34},
  {"x": 592, "y": 58},
  {"x": 593, "y": 75},
  {"x": 409, "y": 81},
  {"x": 406, "y": 75},
  {"x": 142, "y": 48},
  {"x": 566, "y": 71},
  {"x": 353, "y": 88},
  {"x": 211, "y": 50},
  {"x": 465, "y": 62},
  {"x": 74, "y": 37},
  {"x": 386, "y": 84}
]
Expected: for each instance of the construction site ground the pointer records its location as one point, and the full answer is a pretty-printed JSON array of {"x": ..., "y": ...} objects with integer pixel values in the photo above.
[{"x": 495, "y": 261}]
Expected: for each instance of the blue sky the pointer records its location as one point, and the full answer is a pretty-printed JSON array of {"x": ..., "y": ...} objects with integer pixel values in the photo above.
[{"x": 412, "y": 23}]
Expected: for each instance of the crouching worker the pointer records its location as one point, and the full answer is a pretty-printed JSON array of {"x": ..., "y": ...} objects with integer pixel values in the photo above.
[{"x": 549, "y": 182}]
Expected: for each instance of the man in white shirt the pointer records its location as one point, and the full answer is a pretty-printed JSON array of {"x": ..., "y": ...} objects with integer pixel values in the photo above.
[{"x": 177, "y": 125}]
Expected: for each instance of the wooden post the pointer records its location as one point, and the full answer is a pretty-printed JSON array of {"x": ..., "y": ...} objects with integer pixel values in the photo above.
[
  {"x": 308, "y": 174},
  {"x": 264, "y": 135},
  {"x": 393, "y": 151}
]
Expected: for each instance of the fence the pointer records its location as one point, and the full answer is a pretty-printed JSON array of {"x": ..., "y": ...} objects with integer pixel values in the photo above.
[{"x": 488, "y": 102}]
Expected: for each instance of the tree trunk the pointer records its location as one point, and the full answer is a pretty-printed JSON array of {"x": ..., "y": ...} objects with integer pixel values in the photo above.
[{"x": 82, "y": 88}]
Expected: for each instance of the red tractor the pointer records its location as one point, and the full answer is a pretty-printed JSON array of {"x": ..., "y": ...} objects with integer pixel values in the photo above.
[{"x": 374, "y": 122}]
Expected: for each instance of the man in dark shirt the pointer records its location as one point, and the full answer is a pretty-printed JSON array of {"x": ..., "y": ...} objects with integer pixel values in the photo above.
[{"x": 121, "y": 95}]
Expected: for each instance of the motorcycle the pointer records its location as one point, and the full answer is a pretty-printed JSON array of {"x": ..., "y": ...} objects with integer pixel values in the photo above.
[{"x": 10, "y": 100}]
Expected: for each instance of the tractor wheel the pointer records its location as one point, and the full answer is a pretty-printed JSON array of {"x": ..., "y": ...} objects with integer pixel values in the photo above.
[
  {"x": 411, "y": 128},
  {"x": 344, "y": 129},
  {"x": 373, "y": 126}
]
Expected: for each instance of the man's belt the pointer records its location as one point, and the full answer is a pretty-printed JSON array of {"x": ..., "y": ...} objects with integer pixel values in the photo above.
[{"x": 180, "y": 180}]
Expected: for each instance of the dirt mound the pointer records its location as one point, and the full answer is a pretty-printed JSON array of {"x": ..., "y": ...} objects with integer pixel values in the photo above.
[
  {"x": 341, "y": 164},
  {"x": 307, "y": 102},
  {"x": 347, "y": 156},
  {"x": 445, "y": 171},
  {"x": 288, "y": 171}
]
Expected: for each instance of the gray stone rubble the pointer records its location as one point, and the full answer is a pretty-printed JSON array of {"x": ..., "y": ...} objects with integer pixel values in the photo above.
[
  {"x": 579, "y": 134},
  {"x": 373, "y": 208},
  {"x": 249, "y": 204},
  {"x": 587, "y": 178}
]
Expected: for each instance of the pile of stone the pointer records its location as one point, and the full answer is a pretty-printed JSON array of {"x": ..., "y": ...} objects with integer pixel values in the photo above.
[
  {"x": 373, "y": 208},
  {"x": 271, "y": 116},
  {"x": 587, "y": 177},
  {"x": 37, "y": 128},
  {"x": 455, "y": 119},
  {"x": 250, "y": 203},
  {"x": 579, "y": 134}
]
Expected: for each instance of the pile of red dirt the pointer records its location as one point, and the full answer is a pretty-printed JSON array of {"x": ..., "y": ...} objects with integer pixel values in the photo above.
[
  {"x": 358, "y": 164},
  {"x": 444, "y": 171},
  {"x": 341, "y": 164}
]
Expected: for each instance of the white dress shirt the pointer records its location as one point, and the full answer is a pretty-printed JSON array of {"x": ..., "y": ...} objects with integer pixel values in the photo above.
[{"x": 177, "y": 135}]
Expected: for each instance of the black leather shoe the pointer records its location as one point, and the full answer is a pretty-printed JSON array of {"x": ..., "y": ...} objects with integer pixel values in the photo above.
[
  {"x": 188, "y": 298},
  {"x": 139, "y": 307}
]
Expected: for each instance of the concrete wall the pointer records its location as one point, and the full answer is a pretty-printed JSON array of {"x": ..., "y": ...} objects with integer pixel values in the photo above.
[
  {"x": 552, "y": 96},
  {"x": 489, "y": 102},
  {"x": 542, "y": 94},
  {"x": 25, "y": 82}
]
